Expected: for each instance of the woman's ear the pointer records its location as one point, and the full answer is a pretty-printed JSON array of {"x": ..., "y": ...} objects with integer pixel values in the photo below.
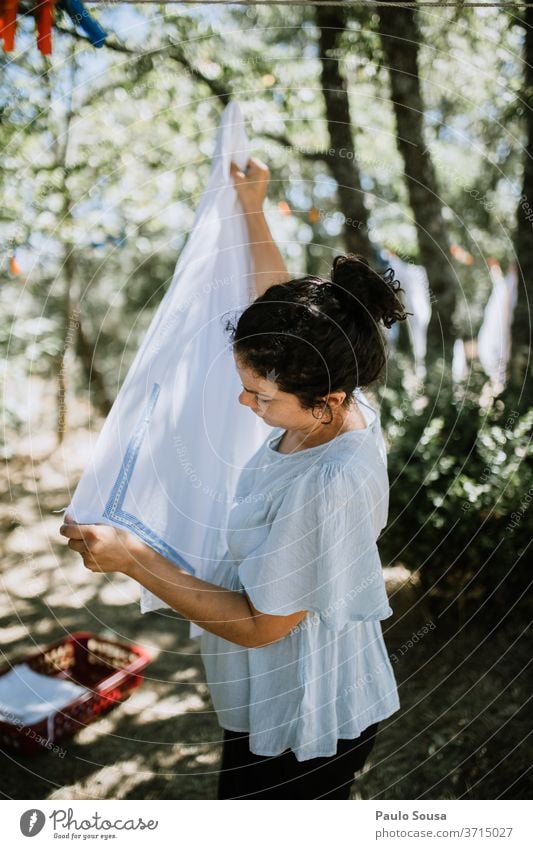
[{"x": 335, "y": 399}]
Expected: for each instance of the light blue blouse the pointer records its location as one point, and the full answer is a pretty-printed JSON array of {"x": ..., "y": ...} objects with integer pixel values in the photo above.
[{"x": 302, "y": 536}]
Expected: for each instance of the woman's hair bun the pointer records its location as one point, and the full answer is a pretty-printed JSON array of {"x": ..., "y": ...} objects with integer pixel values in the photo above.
[{"x": 368, "y": 292}]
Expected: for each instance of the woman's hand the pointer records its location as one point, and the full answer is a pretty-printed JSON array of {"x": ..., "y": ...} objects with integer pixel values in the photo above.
[
  {"x": 103, "y": 548},
  {"x": 268, "y": 264},
  {"x": 251, "y": 187}
]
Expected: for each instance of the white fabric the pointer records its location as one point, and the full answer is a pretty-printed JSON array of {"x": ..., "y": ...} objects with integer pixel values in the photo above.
[
  {"x": 168, "y": 458},
  {"x": 494, "y": 337},
  {"x": 414, "y": 281},
  {"x": 27, "y": 697},
  {"x": 459, "y": 363}
]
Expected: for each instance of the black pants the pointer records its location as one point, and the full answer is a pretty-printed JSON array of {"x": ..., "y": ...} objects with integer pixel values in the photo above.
[{"x": 244, "y": 775}]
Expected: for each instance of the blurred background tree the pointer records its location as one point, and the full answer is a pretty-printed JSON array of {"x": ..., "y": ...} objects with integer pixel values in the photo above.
[{"x": 406, "y": 130}]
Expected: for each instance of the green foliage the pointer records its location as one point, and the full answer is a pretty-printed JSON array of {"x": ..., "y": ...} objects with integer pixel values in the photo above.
[
  {"x": 117, "y": 188},
  {"x": 461, "y": 487}
]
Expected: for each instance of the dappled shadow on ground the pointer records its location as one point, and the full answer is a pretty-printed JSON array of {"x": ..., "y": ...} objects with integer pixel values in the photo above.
[
  {"x": 461, "y": 731},
  {"x": 163, "y": 741}
]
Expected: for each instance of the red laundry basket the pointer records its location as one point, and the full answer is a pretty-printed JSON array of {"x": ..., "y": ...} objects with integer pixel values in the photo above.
[{"x": 111, "y": 670}]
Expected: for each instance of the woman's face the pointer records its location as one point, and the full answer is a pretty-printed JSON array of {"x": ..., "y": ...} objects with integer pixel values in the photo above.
[{"x": 266, "y": 400}]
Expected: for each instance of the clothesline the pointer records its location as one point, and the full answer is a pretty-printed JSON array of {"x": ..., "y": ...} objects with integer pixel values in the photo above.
[{"x": 396, "y": 4}]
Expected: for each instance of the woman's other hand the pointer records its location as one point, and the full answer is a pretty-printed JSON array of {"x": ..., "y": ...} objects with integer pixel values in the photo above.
[
  {"x": 251, "y": 187},
  {"x": 103, "y": 548}
]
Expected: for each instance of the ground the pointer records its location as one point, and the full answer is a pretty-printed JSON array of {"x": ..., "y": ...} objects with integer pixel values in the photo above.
[{"x": 461, "y": 731}]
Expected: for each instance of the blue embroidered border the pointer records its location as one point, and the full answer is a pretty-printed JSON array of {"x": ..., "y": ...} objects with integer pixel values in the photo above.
[{"x": 113, "y": 509}]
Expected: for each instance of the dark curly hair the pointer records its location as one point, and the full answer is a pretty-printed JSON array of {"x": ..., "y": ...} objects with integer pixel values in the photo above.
[{"x": 319, "y": 335}]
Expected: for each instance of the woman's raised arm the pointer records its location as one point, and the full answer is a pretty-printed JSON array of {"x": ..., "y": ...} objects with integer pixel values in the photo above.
[{"x": 268, "y": 264}]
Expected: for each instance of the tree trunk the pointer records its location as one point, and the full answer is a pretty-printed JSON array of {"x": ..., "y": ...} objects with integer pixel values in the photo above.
[
  {"x": 70, "y": 326},
  {"x": 400, "y": 37},
  {"x": 74, "y": 339},
  {"x": 95, "y": 379},
  {"x": 521, "y": 330},
  {"x": 342, "y": 164},
  {"x": 69, "y": 313}
]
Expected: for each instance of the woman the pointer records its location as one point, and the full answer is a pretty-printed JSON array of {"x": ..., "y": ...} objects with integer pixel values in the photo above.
[{"x": 292, "y": 647}]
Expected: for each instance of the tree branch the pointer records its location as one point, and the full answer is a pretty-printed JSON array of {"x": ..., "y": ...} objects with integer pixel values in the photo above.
[{"x": 172, "y": 52}]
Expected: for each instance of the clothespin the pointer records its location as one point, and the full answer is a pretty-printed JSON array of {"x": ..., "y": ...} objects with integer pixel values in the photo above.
[
  {"x": 44, "y": 11},
  {"x": 462, "y": 256},
  {"x": 8, "y": 23},
  {"x": 14, "y": 267},
  {"x": 44, "y": 16},
  {"x": 79, "y": 15}
]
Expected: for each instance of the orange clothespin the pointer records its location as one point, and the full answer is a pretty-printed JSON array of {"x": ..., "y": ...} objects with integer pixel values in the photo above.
[
  {"x": 44, "y": 16},
  {"x": 8, "y": 24},
  {"x": 284, "y": 207},
  {"x": 14, "y": 267},
  {"x": 461, "y": 255}
]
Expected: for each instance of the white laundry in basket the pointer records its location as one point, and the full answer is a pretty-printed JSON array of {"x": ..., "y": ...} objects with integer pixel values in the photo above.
[
  {"x": 168, "y": 458},
  {"x": 26, "y": 696}
]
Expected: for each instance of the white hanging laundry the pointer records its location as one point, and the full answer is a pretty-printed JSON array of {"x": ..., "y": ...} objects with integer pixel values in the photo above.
[
  {"x": 168, "y": 458},
  {"x": 459, "y": 362},
  {"x": 494, "y": 337},
  {"x": 511, "y": 278},
  {"x": 414, "y": 281}
]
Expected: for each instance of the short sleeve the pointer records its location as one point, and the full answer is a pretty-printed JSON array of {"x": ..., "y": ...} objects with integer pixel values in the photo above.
[{"x": 320, "y": 553}]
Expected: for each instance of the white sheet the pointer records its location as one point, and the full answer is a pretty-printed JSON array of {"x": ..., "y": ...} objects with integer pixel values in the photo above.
[
  {"x": 494, "y": 337},
  {"x": 167, "y": 461},
  {"x": 27, "y": 696},
  {"x": 414, "y": 282}
]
